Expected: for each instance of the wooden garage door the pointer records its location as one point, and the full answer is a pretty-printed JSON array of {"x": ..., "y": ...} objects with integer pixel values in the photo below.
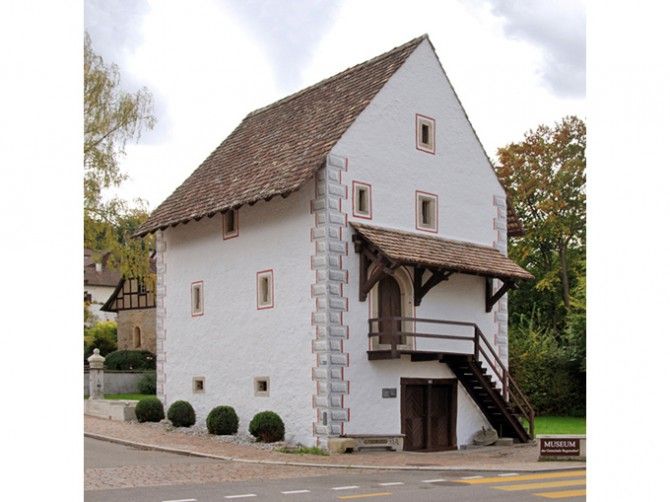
[{"x": 428, "y": 413}]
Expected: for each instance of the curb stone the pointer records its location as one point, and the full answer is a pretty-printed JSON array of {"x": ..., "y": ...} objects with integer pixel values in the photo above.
[{"x": 145, "y": 446}]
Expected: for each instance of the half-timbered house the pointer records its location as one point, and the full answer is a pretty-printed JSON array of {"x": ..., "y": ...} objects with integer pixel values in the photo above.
[
  {"x": 340, "y": 259},
  {"x": 134, "y": 303}
]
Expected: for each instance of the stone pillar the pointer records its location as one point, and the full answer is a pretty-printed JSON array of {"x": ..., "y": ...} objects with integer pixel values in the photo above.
[
  {"x": 96, "y": 376},
  {"x": 329, "y": 235},
  {"x": 500, "y": 309},
  {"x": 161, "y": 314}
]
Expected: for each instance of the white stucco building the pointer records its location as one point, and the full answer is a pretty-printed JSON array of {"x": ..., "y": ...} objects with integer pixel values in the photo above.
[
  {"x": 99, "y": 282},
  {"x": 340, "y": 259}
]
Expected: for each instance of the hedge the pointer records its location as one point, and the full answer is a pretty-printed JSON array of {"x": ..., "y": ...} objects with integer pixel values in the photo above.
[
  {"x": 125, "y": 360},
  {"x": 267, "y": 426},
  {"x": 181, "y": 414},
  {"x": 149, "y": 409},
  {"x": 546, "y": 373},
  {"x": 222, "y": 420}
]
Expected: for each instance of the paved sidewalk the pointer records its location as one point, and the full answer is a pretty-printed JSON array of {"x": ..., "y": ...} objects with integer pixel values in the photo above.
[{"x": 505, "y": 458}]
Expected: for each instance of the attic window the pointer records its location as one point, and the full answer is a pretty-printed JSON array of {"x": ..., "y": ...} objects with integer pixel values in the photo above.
[
  {"x": 425, "y": 133},
  {"x": 197, "y": 300},
  {"x": 231, "y": 224},
  {"x": 362, "y": 200},
  {"x": 426, "y": 211},
  {"x": 261, "y": 386},
  {"x": 264, "y": 289}
]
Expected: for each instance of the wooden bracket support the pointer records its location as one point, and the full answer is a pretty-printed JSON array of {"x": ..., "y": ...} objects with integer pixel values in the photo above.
[
  {"x": 491, "y": 297},
  {"x": 421, "y": 288},
  {"x": 382, "y": 267}
]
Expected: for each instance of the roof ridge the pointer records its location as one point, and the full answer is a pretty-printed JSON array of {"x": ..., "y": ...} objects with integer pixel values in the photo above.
[
  {"x": 346, "y": 71},
  {"x": 415, "y": 234}
]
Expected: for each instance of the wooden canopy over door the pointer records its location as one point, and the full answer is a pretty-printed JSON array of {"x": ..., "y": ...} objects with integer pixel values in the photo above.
[{"x": 428, "y": 411}]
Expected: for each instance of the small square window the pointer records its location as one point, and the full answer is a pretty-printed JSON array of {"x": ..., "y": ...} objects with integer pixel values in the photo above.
[
  {"x": 198, "y": 384},
  {"x": 362, "y": 200},
  {"x": 426, "y": 211},
  {"x": 261, "y": 386},
  {"x": 197, "y": 299},
  {"x": 425, "y": 133},
  {"x": 231, "y": 224},
  {"x": 264, "y": 289}
]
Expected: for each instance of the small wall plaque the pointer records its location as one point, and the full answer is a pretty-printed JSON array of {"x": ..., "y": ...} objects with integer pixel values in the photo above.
[{"x": 389, "y": 393}]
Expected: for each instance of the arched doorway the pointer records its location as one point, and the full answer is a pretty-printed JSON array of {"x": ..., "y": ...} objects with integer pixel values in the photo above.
[{"x": 389, "y": 306}]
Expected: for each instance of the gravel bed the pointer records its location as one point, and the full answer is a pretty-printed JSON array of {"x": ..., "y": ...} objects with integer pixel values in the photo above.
[{"x": 201, "y": 431}]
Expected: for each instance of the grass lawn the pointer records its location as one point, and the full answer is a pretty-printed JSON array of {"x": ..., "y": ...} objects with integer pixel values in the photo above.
[
  {"x": 126, "y": 396},
  {"x": 560, "y": 425}
]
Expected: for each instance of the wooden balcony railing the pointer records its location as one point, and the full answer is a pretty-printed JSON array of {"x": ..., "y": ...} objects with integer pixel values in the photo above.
[{"x": 482, "y": 350}]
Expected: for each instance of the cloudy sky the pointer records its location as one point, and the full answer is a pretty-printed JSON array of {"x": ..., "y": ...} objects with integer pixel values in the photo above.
[{"x": 514, "y": 64}]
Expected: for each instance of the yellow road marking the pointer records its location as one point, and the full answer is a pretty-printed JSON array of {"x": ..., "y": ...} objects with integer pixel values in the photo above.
[
  {"x": 563, "y": 494},
  {"x": 364, "y": 495},
  {"x": 524, "y": 477},
  {"x": 548, "y": 484}
]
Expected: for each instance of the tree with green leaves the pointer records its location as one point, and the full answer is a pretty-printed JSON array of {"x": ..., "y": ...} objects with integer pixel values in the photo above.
[
  {"x": 545, "y": 178},
  {"x": 112, "y": 117}
]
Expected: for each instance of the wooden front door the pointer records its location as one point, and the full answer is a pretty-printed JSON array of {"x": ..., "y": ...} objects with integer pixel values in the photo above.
[
  {"x": 389, "y": 306},
  {"x": 428, "y": 413}
]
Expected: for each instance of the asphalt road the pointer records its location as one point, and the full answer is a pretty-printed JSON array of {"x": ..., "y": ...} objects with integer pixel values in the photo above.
[{"x": 336, "y": 485}]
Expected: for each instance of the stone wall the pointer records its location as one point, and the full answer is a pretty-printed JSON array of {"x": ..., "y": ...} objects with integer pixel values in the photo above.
[
  {"x": 145, "y": 320},
  {"x": 117, "y": 382}
]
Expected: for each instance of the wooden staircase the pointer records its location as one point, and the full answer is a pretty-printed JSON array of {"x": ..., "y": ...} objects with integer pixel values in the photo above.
[
  {"x": 505, "y": 408},
  {"x": 503, "y": 415}
]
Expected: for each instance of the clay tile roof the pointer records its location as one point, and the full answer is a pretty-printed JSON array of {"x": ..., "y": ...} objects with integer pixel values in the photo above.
[
  {"x": 106, "y": 277},
  {"x": 277, "y": 148},
  {"x": 409, "y": 248}
]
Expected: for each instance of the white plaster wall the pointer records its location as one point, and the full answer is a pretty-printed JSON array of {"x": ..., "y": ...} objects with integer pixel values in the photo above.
[
  {"x": 370, "y": 413},
  {"x": 381, "y": 150},
  {"x": 233, "y": 341},
  {"x": 99, "y": 295}
]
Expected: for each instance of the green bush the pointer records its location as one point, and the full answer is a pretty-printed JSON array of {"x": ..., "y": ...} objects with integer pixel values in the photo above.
[
  {"x": 130, "y": 360},
  {"x": 147, "y": 384},
  {"x": 149, "y": 409},
  {"x": 222, "y": 420},
  {"x": 181, "y": 414},
  {"x": 101, "y": 336},
  {"x": 545, "y": 371},
  {"x": 267, "y": 426}
]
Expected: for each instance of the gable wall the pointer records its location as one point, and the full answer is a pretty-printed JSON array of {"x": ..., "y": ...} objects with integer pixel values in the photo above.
[
  {"x": 99, "y": 295},
  {"x": 233, "y": 341},
  {"x": 380, "y": 149}
]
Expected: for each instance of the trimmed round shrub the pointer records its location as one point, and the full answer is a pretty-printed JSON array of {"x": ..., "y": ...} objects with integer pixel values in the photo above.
[
  {"x": 267, "y": 426},
  {"x": 222, "y": 420},
  {"x": 149, "y": 409},
  {"x": 125, "y": 360},
  {"x": 181, "y": 414},
  {"x": 147, "y": 384}
]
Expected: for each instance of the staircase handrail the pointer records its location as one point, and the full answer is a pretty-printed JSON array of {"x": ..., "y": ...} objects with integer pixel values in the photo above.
[{"x": 511, "y": 389}]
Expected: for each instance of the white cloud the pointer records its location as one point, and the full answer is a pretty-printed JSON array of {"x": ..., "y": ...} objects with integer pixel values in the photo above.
[
  {"x": 211, "y": 73},
  {"x": 209, "y": 70},
  {"x": 559, "y": 29},
  {"x": 498, "y": 79}
]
